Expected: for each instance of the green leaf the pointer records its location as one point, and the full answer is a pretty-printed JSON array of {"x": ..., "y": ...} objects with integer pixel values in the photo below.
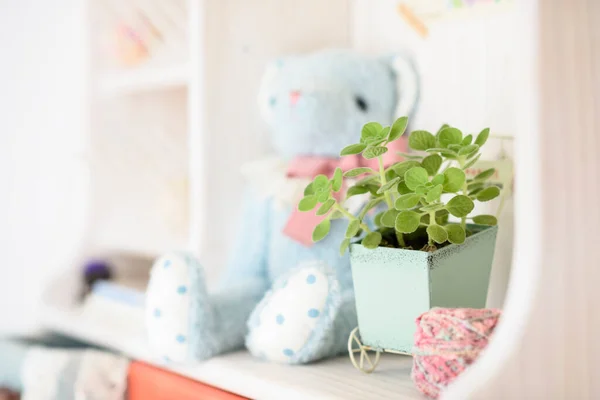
[
  {"x": 460, "y": 206},
  {"x": 390, "y": 174},
  {"x": 433, "y": 207},
  {"x": 476, "y": 185},
  {"x": 444, "y": 126},
  {"x": 355, "y": 190},
  {"x": 437, "y": 233},
  {"x": 325, "y": 207},
  {"x": 450, "y": 136},
  {"x": 455, "y": 147},
  {"x": 401, "y": 167},
  {"x": 467, "y": 140},
  {"x": 357, "y": 171},
  {"x": 321, "y": 230},
  {"x": 344, "y": 246},
  {"x": 372, "y": 240},
  {"x": 409, "y": 156},
  {"x": 488, "y": 193},
  {"x": 407, "y": 201},
  {"x": 353, "y": 149},
  {"x": 320, "y": 183},
  {"x": 445, "y": 152},
  {"x": 407, "y": 221},
  {"x": 373, "y": 189},
  {"x": 473, "y": 161},
  {"x": 482, "y": 137},
  {"x": 323, "y": 196},
  {"x": 454, "y": 179},
  {"x": 378, "y": 218},
  {"x": 353, "y": 227},
  {"x": 488, "y": 173},
  {"x": 373, "y": 152},
  {"x": 421, "y": 140},
  {"x": 438, "y": 179},
  {"x": 456, "y": 234},
  {"x": 468, "y": 149},
  {"x": 371, "y": 204},
  {"x": 485, "y": 220},
  {"x": 337, "y": 180},
  {"x": 372, "y": 179},
  {"x": 370, "y": 131},
  {"x": 388, "y": 185},
  {"x": 434, "y": 193},
  {"x": 384, "y": 134},
  {"x": 415, "y": 177},
  {"x": 398, "y": 128},
  {"x": 389, "y": 218},
  {"x": 307, "y": 203},
  {"x": 403, "y": 189},
  {"x": 309, "y": 189},
  {"x": 421, "y": 189},
  {"x": 432, "y": 163}
]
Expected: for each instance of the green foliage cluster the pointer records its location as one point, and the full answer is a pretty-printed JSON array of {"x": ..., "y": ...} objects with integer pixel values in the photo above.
[{"x": 410, "y": 190}]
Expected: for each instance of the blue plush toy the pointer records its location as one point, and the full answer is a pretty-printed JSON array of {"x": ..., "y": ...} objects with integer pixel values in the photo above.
[{"x": 290, "y": 301}]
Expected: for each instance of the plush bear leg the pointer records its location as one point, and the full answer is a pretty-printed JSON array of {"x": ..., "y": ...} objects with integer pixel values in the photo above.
[
  {"x": 303, "y": 318},
  {"x": 184, "y": 322}
]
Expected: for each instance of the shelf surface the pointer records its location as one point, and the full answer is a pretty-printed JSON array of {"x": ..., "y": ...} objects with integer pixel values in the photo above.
[
  {"x": 144, "y": 79},
  {"x": 239, "y": 372}
]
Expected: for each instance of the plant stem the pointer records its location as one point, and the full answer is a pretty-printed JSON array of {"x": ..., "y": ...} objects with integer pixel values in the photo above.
[
  {"x": 400, "y": 237},
  {"x": 388, "y": 198},
  {"x": 351, "y": 217},
  {"x": 432, "y": 221},
  {"x": 461, "y": 162}
]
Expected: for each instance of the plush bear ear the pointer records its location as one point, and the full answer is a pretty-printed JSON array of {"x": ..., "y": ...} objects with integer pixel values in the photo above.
[{"x": 407, "y": 84}]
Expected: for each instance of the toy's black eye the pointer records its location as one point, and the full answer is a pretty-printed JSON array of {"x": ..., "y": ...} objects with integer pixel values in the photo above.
[{"x": 361, "y": 103}]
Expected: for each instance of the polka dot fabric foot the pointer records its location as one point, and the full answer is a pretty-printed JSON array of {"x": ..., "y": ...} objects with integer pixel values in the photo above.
[
  {"x": 175, "y": 290},
  {"x": 292, "y": 321}
]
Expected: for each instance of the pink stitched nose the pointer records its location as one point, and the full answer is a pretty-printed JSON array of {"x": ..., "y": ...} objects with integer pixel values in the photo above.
[{"x": 294, "y": 97}]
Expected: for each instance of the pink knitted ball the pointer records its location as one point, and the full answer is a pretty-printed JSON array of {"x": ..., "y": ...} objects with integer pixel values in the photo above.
[{"x": 447, "y": 341}]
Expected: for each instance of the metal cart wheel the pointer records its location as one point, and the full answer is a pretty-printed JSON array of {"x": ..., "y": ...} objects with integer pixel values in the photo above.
[{"x": 363, "y": 362}]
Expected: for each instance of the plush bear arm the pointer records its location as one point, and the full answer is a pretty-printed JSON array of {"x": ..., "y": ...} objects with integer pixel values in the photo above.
[{"x": 247, "y": 262}]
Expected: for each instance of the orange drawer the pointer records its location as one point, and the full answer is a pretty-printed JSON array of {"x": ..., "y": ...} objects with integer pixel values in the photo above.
[{"x": 149, "y": 383}]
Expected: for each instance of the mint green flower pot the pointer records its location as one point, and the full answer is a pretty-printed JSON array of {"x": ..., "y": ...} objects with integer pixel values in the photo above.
[{"x": 394, "y": 286}]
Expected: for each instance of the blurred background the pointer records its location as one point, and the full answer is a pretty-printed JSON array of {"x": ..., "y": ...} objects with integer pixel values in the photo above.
[{"x": 125, "y": 123}]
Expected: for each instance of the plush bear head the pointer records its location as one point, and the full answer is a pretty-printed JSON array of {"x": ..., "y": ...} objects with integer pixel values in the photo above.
[{"x": 317, "y": 104}]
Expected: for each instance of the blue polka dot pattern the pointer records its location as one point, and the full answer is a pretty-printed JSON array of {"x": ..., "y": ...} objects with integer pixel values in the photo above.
[
  {"x": 180, "y": 338},
  {"x": 310, "y": 279},
  {"x": 313, "y": 313},
  {"x": 279, "y": 319},
  {"x": 288, "y": 352},
  {"x": 157, "y": 312},
  {"x": 182, "y": 289},
  {"x": 167, "y": 263}
]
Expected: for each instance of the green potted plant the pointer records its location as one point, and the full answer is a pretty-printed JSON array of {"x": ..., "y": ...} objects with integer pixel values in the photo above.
[{"x": 409, "y": 257}]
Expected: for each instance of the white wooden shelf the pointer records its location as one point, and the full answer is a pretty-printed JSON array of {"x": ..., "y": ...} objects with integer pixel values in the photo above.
[
  {"x": 123, "y": 331},
  {"x": 144, "y": 79}
]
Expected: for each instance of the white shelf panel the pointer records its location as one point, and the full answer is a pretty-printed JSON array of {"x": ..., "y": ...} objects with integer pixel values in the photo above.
[
  {"x": 239, "y": 372},
  {"x": 144, "y": 79}
]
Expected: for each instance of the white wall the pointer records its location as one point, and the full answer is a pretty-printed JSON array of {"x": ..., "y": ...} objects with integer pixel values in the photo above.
[{"x": 42, "y": 106}]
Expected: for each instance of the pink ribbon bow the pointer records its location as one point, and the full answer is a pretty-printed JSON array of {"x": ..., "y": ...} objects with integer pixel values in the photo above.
[{"x": 301, "y": 224}]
